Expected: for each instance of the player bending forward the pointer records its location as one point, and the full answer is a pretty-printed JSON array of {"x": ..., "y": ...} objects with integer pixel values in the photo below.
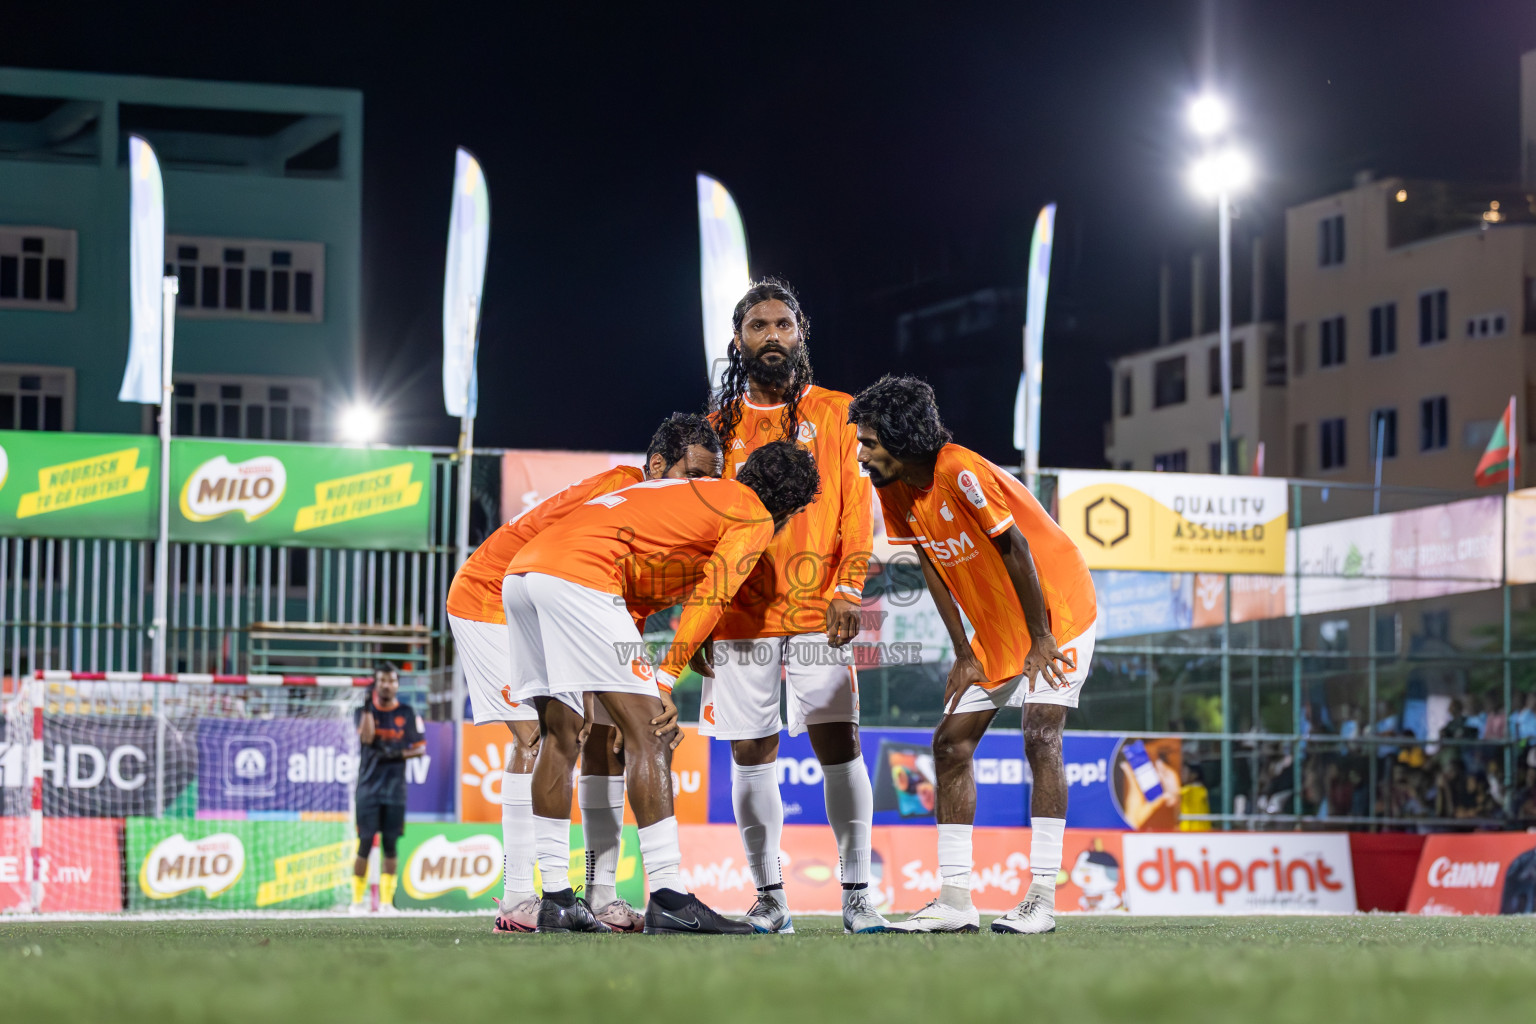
[
  {"x": 986, "y": 543},
  {"x": 571, "y": 634},
  {"x": 799, "y": 606},
  {"x": 683, "y": 446}
]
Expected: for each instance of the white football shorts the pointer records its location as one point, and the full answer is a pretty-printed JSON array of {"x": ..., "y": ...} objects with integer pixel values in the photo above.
[
  {"x": 742, "y": 701},
  {"x": 1015, "y": 692},
  {"x": 482, "y": 654}
]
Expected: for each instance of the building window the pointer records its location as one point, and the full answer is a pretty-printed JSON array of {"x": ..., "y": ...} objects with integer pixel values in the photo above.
[
  {"x": 248, "y": 279},
  {"x": 1125, "y": 395},
  {"x": 1171, "y": 462},
  {"x": 1330, "y": 241},
  {"x": 1432, "y": 317},
  {"x": 1434, "y": 422},
  {"x": 1384, "y": 329},
  {"x": 1213, "y": 368},
  {"x": 1299, "y": 450},
  {"x": 1168, "y": 387},
  {"x": 1299, "y": 349},
  {"x": 1487, "y": 325},
  {"x": 1331, "y": 451},
  {"x": 36, "y": 398},
  {"x": 274, "y": 409},
  {"x": 37, "y": 269},
  {"x": 1330, "y": 342},
  {"x": 1274, "y": 360},
  {"x": 1235, "y": 451},
  {"x": 1384, "y": 429}
]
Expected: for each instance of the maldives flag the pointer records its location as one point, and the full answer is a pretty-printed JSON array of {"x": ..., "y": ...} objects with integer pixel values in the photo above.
[{"x": 1502, "y": 452}]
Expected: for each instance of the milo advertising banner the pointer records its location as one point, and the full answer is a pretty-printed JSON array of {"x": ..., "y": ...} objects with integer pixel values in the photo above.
[
  {"x": 459, "y": 867},
  {"x": 77, "y": 485},
  {"x": 238, "y": 865},
  {"x": 236, "y": 492}
]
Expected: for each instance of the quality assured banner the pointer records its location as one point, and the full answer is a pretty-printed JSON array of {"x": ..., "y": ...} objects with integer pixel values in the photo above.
[
  {"x": 78, "y": 485},
  {"x": 1486, "y": 873},
  {"x": 81, "y": 868},
  {"x": 236, "y": 492},
  {"x": 238, "y": 865},
  {"x": 1175, "y": 522},
  {"x": 1238, "y": 873}
]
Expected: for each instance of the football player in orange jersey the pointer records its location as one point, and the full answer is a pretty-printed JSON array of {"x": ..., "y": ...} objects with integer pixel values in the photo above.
[
  {"x": 795, "y": 615},
  {"x": 684, "y": 446},
  {"x": 571, "y": 633},
  {"x": 989, "y": 548}
]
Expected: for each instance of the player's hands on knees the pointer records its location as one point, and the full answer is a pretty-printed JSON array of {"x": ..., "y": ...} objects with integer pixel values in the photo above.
[
  {"x": 666, "y": 723},
  {"x": 842, "y": 621},
  {"x": 703, "y": 659},
  {"x": 588, "y": 714},
  {"x": 1042, "y": 660},
  {"x": 963, "y": 674}
]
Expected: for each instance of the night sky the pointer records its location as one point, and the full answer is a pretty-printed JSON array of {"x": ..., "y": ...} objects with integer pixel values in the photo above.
[{"x": 884, "y": 156}]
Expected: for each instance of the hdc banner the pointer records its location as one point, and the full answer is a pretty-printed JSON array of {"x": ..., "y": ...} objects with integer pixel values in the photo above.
[
  {"x": 78, "y": 485},
  {"x": 238, "y": 492},
  {"x": 99, "y": 766}
]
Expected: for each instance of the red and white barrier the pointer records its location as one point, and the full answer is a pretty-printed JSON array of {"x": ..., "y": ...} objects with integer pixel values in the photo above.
[{"x": 202, "y": 677}]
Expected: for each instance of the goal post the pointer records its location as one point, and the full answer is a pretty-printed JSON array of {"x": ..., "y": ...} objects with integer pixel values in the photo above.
[{"x": 137, "y": 791}]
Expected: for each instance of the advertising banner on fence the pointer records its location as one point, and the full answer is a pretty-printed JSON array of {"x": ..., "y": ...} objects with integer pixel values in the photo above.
[
  {"x": 1136, "y": 603},
  {"x": 528, "y": 477},
  {"x": 1175, "y": 522},
  {"x": 1520, "y": 535},
  {"x": 1483, "y": 873},
  {"x": 242, "y": 492},
  {"x": 459, "y": 867},
  {"x": 1446, "y": 549},
  {"x": 82, "y": 867},
  {"x": 78, "y": 485},
  {"x": 103, "y": 766},
  {"x": 1238, "y": 873},
  {"x": 239, "y": 865}
]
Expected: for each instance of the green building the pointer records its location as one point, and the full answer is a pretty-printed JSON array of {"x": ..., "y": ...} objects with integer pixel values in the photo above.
[{"x": 263, "y": 199}]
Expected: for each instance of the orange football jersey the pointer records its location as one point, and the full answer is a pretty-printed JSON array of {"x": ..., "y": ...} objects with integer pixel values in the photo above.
[
  {"x": 970, "y": 502},
  {"x": 475, "y": 593},
  {"x": 823, "y": 552},
  {"x": 659, "y": 543}
]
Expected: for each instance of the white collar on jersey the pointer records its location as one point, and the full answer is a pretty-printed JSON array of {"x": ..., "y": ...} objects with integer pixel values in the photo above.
[{"x": 769, "y": 408}]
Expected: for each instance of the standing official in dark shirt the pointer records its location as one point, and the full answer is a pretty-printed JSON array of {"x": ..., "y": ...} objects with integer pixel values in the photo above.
[{"x": 388, "y": 734}]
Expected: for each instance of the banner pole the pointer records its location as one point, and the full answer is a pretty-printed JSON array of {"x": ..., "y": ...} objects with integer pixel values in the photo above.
[
  {"x": 1509, "y": 750},
  {"x": 169, "y": 286}
]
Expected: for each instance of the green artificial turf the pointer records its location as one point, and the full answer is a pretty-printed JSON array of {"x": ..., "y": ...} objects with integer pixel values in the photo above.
[{"x": 452, "y": 969}]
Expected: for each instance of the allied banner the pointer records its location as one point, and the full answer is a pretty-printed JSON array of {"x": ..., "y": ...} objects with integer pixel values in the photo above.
[
  {"x": 81, "y": 869},
  {"x": 287, "y": 766},
  {"x": 459, "y": 867},
  {"x": 1482, "y": 873},
  {"x": 1238, "y": 873},
  {"x": 239, "y": 865},
  {"x": 239, "y": 492},
  {"x": 100, "y": 766},
  {"x": 1175, "y": 522},
  {"x": 78, "y": 485}
]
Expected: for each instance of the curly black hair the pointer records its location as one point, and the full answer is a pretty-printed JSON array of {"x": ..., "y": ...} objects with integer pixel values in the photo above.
[
  {"x": 903, "y": 414},
  {"x": 783, "y": 475},
  {"x": 733, "y": 385},
  {"x": 678, "y": 433}
]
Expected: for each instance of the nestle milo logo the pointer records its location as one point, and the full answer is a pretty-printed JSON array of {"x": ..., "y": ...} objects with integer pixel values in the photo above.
[{"x": 219, "y": 487}]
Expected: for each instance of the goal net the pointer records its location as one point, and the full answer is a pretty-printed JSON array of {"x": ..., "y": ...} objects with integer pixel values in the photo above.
[{"x": 125, "y": 791}]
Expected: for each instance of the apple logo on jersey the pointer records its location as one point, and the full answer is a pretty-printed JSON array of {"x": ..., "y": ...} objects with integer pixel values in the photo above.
[
  {"x": 972, "y": 488},
  {"x": 944, "y": 511},
  {"x": 219, "y": 487},
  {"x": 177, "y": 865}
]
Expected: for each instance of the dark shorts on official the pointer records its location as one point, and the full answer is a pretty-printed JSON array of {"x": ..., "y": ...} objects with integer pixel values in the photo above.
[{"x": 384, "y": 819}]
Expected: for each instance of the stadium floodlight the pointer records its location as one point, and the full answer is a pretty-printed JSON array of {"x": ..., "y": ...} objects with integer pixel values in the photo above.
[
  {"x": 1208, "y": 115},
  {"x": 1221, "y": 173},
  {"x": 360, "y": 422}
]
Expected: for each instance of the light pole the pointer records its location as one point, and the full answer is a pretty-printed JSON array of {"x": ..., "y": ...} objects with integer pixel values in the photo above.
[{"x": 1221, "y": 170}]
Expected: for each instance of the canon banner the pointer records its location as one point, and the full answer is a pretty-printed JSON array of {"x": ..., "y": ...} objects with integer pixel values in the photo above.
[
  {"x": 1175, "y": 522},
  {"x": 1485, "y": 873},
  {"x": 237, "y": 492},
  {"x": 1238, "y": 873},
  {"x": 100, "y": 766},
  {"x": 78, "y": 485},
  {"x": 81, "y": 869},
  {"x": 238, "y": 865}
]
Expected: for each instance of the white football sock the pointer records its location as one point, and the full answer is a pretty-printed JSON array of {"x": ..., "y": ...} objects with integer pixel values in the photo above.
[
  {"x": 1045, "y": 838},
  {"x": 601, "y": 798},
  {"x": 517, "y": 837},
  {"x": 662, "y": 856},
  {"x": 553, "y": 839},
  {"x": 759, "y": 817},
  {"x": 955, "y": 866},
  {"x": 851, "y": 811}
]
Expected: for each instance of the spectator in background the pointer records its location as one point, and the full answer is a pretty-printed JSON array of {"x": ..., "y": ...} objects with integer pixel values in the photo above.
[
  {"x": 1525, "y": 798},
  {"x": 1522, "y": 724},
  {"x": 1460, "y": 727},
  {"x": 1495, "y": 778},
  {"x": 1495, "y": 724},
  {"x": 1387, "y": 724},
  {"x": 1194, "y": 798},
  {"x": 1349, "y": 725}
]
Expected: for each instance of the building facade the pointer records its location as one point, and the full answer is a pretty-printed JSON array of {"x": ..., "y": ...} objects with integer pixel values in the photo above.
[{"x": 263, "y": 198}]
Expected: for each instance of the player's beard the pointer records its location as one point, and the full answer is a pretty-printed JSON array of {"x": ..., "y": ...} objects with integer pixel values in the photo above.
[
  {"x": 771, "y": 375},
  {"x": 877, "y": 479}
]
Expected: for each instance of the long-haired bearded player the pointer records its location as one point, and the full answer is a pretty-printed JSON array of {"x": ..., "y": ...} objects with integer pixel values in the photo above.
[{"x": 798, "y": 608}]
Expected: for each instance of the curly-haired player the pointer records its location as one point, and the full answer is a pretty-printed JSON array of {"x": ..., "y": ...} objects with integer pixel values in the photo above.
[
  {"x": 795, "y": 616},
  {"x": 986, "y": 544}
]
